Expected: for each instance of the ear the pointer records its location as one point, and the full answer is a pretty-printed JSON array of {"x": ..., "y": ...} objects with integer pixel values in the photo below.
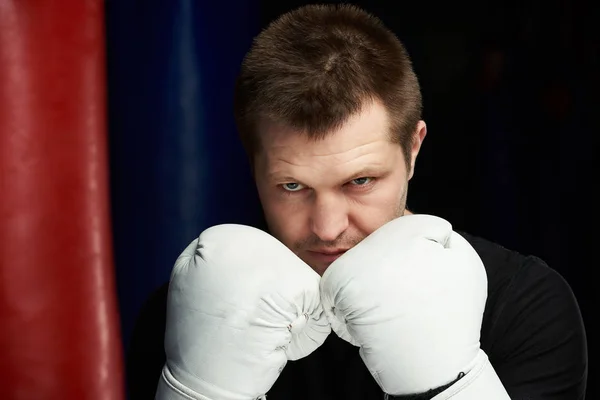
[{"x": 417, "y": 140}]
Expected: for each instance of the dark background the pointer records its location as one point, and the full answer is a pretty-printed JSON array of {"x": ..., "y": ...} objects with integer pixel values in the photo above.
[{"x": 510, "y": 96}]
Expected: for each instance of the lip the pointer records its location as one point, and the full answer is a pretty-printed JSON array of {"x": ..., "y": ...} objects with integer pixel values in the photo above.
[
  {"x": 327, "y": 255},
  {"x": 329, "y": 251}
]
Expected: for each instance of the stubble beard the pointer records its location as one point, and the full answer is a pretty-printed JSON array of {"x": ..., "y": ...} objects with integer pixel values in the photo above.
[{"x": 346, "y": 241}]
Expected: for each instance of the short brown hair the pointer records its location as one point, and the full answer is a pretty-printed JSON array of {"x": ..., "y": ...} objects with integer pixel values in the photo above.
[{"x": 314, "y": 67}]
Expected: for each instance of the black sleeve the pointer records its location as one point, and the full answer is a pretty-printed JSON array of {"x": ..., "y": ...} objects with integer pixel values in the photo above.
[
  {"x": 540, "y": 348},
  {"x": 146, "y": 354}
]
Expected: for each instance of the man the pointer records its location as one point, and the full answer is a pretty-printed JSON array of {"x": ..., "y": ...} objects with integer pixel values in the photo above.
[{"x": 349, "y": 295}]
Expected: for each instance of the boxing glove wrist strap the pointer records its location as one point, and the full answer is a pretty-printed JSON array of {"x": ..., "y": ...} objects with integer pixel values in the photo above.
[
  {"x": 480, "y": 382},
  {"x": 428, "y": 395}
]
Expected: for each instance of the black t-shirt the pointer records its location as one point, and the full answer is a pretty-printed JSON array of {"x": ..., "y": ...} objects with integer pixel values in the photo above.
[{"x": 532, "y": 332}]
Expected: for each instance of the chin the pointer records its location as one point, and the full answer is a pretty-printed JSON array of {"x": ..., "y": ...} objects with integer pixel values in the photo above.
[{"x": 320, "y": 269}]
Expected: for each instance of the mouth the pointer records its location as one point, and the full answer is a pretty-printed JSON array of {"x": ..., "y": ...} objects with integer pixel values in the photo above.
[{"x": 326, "y": 255}]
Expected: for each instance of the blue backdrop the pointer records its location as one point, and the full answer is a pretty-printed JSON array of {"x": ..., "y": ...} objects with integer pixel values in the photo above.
[{"x": 176, "y": 164}]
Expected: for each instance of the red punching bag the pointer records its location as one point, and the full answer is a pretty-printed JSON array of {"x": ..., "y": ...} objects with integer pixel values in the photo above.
[{"x": 59, "y": 333}]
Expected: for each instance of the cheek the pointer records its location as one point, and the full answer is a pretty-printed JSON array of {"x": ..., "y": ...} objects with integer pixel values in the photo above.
[
  {"x": 375, "y": 209},
  {"x": 287, "y": 220}
]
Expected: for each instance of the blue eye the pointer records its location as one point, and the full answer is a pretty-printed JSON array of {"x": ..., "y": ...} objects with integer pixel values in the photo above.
[
  {"x": 292, "y": 186},
  {"x": 361, "y": 181}
]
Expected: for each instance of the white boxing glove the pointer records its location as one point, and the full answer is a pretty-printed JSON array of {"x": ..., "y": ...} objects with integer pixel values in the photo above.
[
  {"x": 411, "y": 295},
  {"x": 240, "y": 305}
]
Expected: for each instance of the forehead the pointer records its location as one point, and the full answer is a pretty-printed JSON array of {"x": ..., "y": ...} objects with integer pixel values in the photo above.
[{"x": 360, "y": 134}]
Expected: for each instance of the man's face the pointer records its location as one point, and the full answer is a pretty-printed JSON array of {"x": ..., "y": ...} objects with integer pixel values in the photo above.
[{"x": 322, "y": 197}]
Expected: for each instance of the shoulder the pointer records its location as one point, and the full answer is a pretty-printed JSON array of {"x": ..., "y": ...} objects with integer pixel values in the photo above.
[
  {"x": 151, "y": 320},
  {"x": 146, "y": 354},
  {"x": 532, "y": 329},
  {"x": 525, "y": 283}
]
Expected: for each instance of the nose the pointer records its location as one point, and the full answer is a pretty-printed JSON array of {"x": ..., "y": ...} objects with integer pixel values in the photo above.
[{"x": 329, "y": 217}]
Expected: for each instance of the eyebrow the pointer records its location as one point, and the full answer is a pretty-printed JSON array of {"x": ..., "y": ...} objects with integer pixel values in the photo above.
[{"x": 366, "y": 172}]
